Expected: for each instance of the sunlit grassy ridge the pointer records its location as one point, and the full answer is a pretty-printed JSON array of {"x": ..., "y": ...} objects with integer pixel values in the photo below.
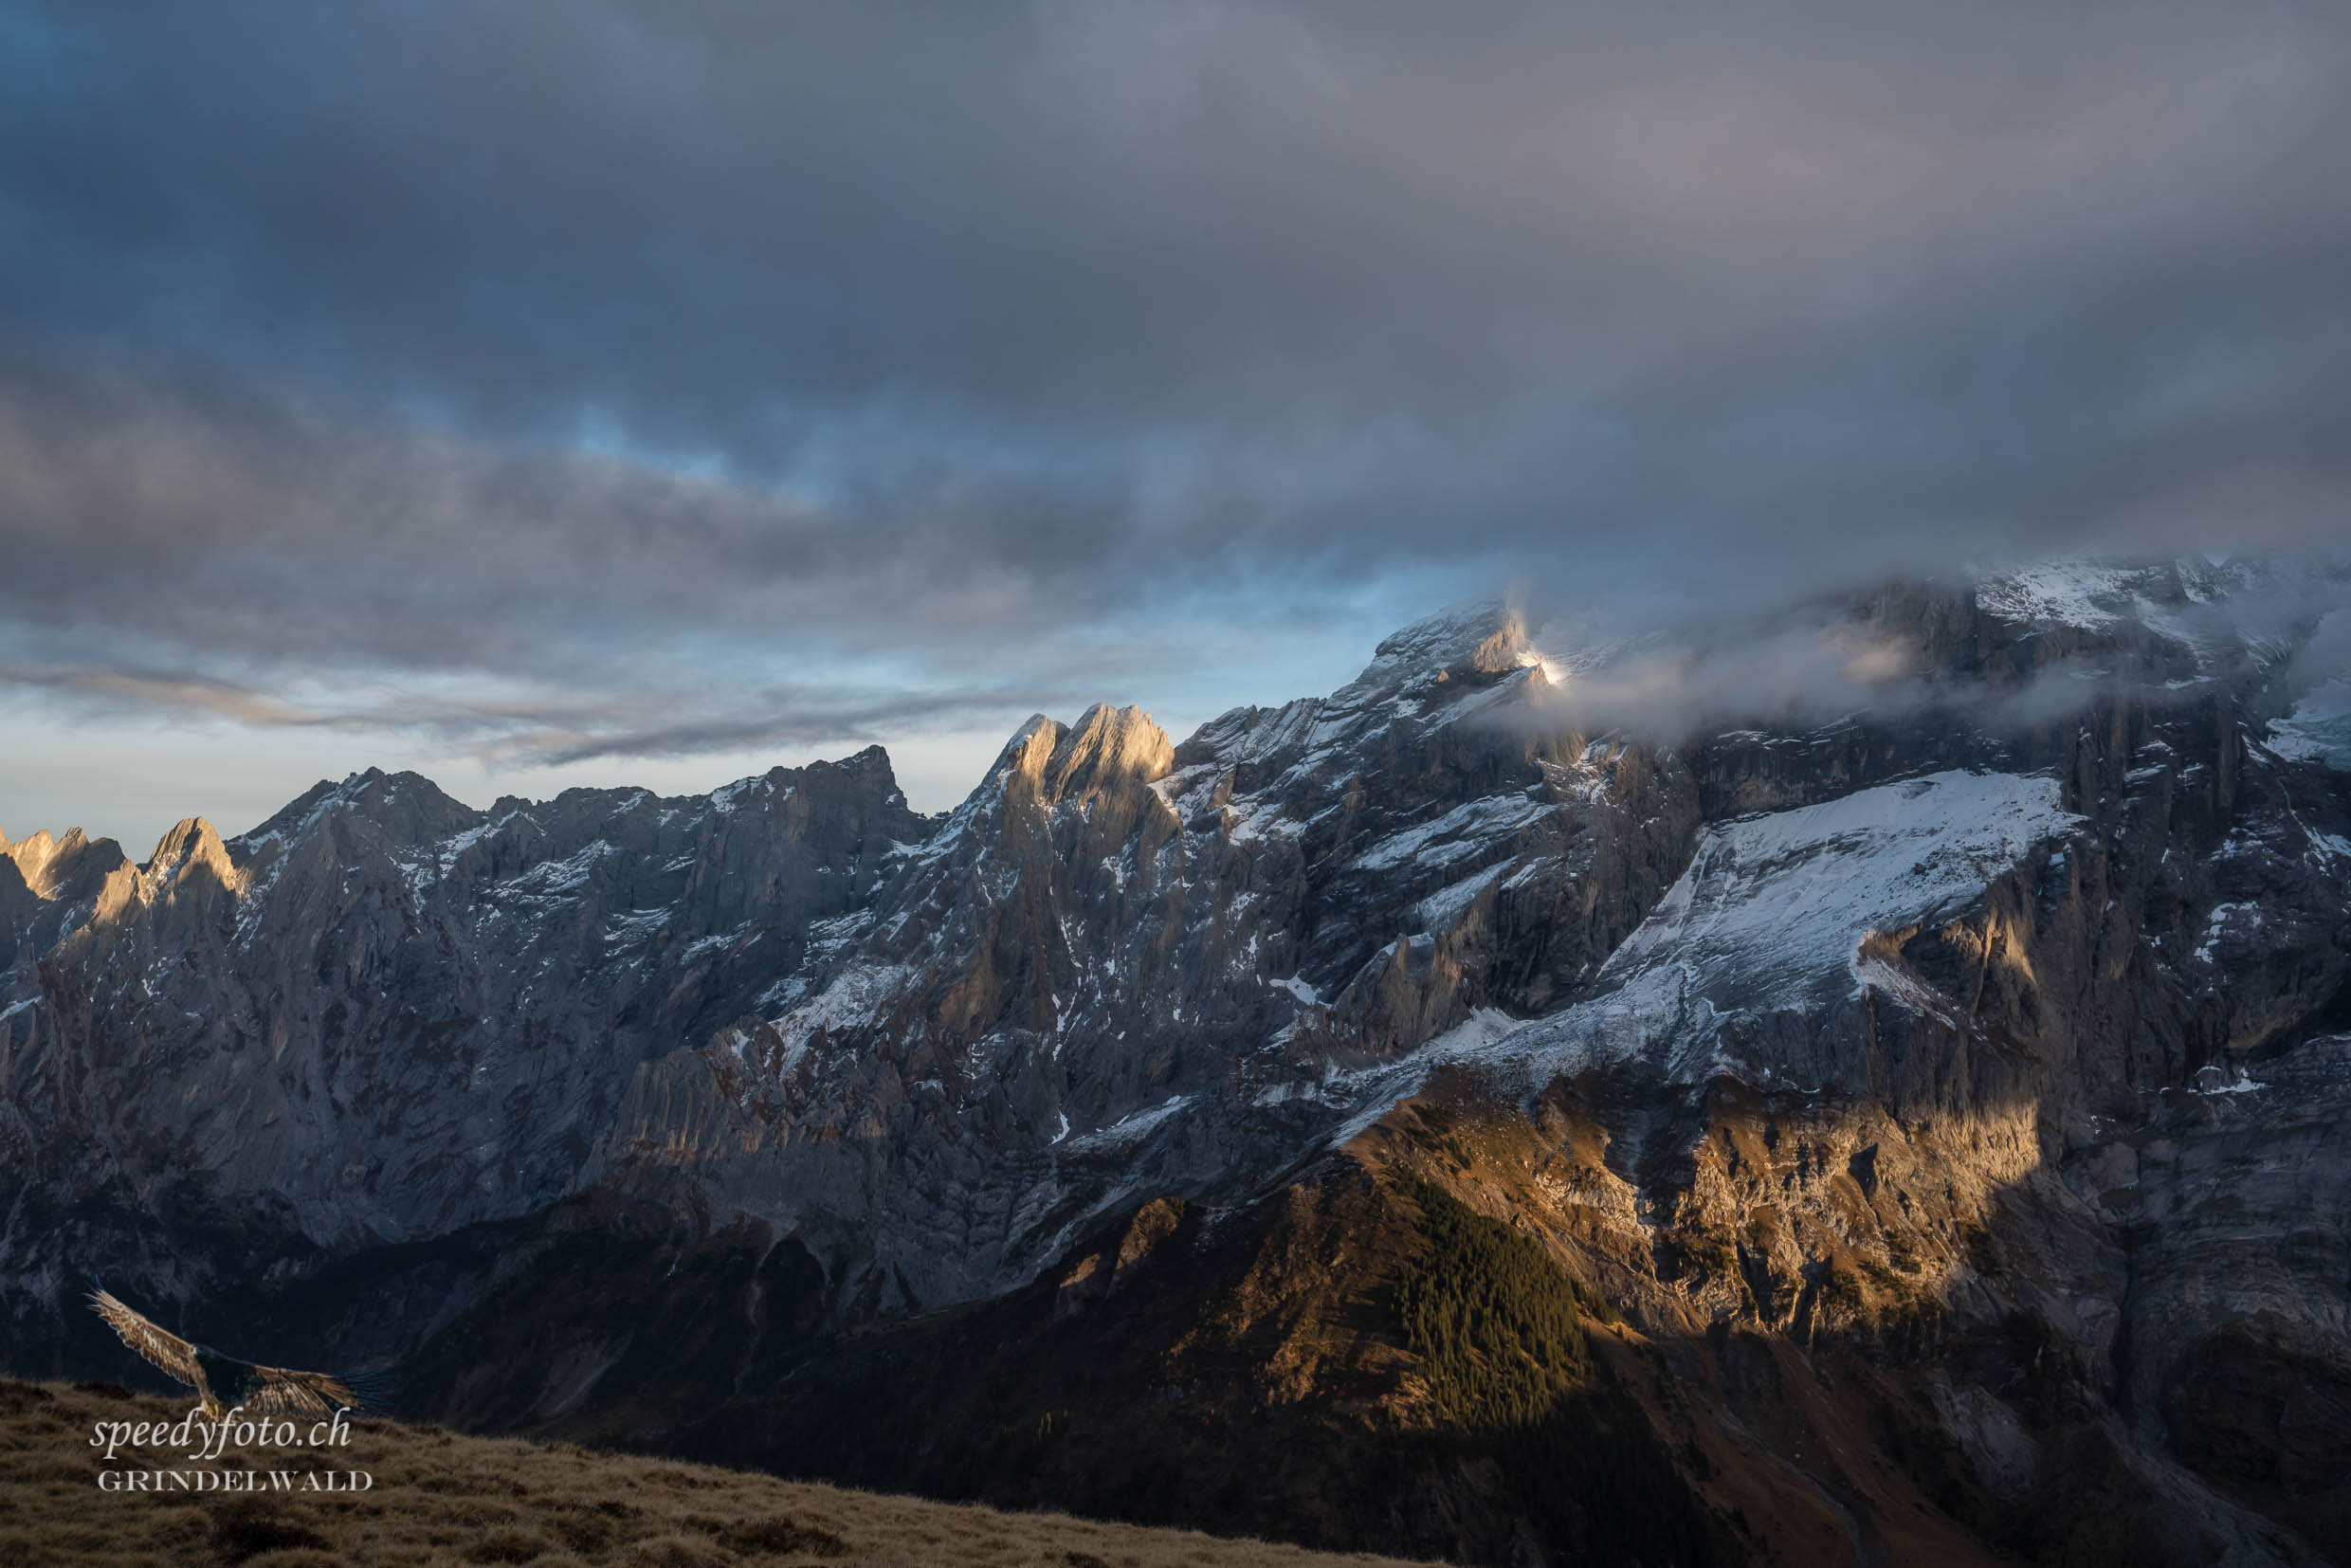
[{"x": 439, "y": 1499}]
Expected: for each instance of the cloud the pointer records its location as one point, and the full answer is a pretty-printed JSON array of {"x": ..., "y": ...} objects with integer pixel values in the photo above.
[
  {"x": 2151, "y": 633},
  {"x": 711, "y": 373},
  {"x": 544, "y": 729},
  {"x": 135, "y": 687}
]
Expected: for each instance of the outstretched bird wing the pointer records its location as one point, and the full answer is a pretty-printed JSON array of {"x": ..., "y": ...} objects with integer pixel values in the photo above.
[
  {"x": 263, "y": 1391},
  {"x": 170, "y": 1352},
  {"x": 287, "y": 1392}
]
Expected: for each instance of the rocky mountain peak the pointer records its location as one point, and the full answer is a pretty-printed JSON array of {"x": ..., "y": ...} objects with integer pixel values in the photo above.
[
  {"x": 1051, "y": 764},
  {"x": 1478, "y": 640},
  {"x": 871, "y": 759},
  {"x": 2091, "y": 593},
  {"x": 191, "y": 853},
  {"x": 62, "y": 870},
  {"x": 404, "y": 808},
  {"x": 34, "y": 856},
  {"x": 1107, "y": 745},
  {"x": 191, "y": 865}
]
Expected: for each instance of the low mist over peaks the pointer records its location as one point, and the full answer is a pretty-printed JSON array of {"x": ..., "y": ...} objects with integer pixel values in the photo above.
[{"x": 2021, "y": 648}]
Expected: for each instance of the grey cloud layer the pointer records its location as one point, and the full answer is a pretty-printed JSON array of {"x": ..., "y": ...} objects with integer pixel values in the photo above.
[
  {"x": 603, "y": 346},
  {"x": 1834, "y": 658}
]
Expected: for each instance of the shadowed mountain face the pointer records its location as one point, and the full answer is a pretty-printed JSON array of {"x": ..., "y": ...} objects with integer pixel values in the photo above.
[{"x": 1917, "y": 1137}]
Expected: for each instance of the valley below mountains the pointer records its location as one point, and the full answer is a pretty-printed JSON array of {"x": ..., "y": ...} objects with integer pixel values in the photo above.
[{"x": 1436, "y": 1119}]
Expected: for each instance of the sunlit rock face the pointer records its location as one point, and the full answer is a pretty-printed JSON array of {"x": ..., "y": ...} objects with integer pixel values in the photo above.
[{"x": 2008, "y": 1004}]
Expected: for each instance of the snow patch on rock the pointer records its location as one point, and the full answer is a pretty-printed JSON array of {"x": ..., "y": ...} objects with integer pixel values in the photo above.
[{"x": 1775, "y": 910}]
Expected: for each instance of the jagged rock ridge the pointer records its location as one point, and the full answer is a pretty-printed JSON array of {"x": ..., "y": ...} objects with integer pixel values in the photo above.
[{"x": 1786, "y": 1026}]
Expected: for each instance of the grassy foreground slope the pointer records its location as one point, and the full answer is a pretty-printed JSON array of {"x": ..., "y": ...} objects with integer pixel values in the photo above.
[{"x": 441, "y": 1499}]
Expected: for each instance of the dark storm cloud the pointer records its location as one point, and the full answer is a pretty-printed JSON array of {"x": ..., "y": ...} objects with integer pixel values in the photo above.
[{"x": 609, "y": 345}]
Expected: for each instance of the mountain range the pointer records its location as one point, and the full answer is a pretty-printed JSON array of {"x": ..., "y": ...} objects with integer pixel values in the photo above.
[{"x": 1897, "y": 1119}]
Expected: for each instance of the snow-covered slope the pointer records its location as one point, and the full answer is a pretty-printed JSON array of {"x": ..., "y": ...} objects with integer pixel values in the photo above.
[{"x": 1792, "y": 912}]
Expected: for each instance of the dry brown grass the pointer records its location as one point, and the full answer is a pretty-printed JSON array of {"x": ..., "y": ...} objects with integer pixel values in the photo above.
[{"x": 452, "y": 1502}]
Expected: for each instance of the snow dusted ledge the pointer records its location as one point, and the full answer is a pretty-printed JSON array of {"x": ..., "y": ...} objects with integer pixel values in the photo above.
[{"x": 1771, "y": 917}]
